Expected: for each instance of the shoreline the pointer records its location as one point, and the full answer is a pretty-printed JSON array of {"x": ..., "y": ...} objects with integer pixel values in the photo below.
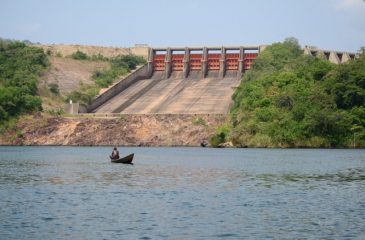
[
  {"x": 127, "y": 130},
  {"x": 184, "y": 146},
  {"x": 165, "y": 131}
]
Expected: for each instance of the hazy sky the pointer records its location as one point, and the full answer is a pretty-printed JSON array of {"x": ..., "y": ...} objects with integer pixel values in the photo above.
[{"x": 328, "y": 24}]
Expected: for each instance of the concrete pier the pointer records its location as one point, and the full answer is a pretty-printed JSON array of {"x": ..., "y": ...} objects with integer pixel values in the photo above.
[
  {"x": 335, "y": 57},
  {"x": 186, "y": 60},
  {"x": 222, "y": 63}
]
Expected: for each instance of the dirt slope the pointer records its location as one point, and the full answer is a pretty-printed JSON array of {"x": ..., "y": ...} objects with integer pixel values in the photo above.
[{"x": 68, "y": 73}]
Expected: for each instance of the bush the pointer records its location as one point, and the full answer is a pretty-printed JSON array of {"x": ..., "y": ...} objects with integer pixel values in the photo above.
[
  {"x": 220, "y": 136},
  {"x": 99, "y": 57},
  {"x": 121, "y": 65},
  {"x": 128, "y": 61},
  {"x": 78, "y": 55},
  {"x": 84, "y": 96},
  {"x": 54, "y": 88},
  {"x": 104, "y": 78},
  {"x": 260, "y": 140}
]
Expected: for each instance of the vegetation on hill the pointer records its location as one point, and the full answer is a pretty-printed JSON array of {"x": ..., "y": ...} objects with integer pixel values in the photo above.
[
  {"x": 120, "y": 66},
  {"x": 20, "y": 68},
  {"x": 289, "y": 99},
  {"x": 78, "y": 55}
]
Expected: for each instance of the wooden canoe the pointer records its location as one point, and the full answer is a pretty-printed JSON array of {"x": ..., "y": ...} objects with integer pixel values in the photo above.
[{"x": 127, "y": 159}]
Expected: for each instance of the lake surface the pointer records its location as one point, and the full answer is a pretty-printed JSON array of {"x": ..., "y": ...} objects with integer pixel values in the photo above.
[{"x": 181, "y": 193}]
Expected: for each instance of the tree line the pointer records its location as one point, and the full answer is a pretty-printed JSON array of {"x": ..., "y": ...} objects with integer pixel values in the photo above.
[
  {"x": 289, "y": 99},
  {"x": 20, "y": 67}
]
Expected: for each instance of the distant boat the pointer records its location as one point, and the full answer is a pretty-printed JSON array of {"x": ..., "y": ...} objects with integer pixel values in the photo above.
[{"x": 127, "y": 159}]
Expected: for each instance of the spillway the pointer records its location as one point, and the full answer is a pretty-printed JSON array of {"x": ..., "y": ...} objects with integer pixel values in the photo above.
[
  {"x": 179, "y": 81},
  {"x": 175, "y": 95}
]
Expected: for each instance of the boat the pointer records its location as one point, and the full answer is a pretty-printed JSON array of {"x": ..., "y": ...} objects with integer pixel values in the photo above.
[{"x": 127, "y": 159}]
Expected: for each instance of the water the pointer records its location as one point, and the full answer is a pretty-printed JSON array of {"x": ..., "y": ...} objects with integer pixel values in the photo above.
[{"x": 181, "y": 193}]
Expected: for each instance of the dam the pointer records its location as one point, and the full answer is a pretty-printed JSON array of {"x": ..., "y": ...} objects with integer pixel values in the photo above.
[
  {"x": 195, "y": 80},
  {"x": 190, "y": 80}
]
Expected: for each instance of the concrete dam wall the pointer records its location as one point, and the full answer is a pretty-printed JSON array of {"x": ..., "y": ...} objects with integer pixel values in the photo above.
[{"x": 180, "y": 81}]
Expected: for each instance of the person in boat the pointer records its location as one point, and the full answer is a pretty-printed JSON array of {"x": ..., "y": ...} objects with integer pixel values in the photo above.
[{"x": 115, "y": 154}]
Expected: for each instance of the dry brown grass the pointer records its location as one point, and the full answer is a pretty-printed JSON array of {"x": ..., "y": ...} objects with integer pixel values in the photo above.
[{"x": 67, "y": 50}]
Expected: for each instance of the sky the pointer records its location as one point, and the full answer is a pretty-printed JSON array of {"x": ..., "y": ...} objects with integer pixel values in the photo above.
[{"x": 327, "y": 24}]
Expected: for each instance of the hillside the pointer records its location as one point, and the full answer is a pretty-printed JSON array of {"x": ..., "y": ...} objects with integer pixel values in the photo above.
[
  {"x": 68, "y": 73},
  {"x": 293, "y": 100},
  {"x": 80, "y": 76},
  {"x": 64, "y": 50}
]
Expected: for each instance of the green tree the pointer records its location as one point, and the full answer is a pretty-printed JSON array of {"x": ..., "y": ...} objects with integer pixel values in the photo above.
[
  {"x": 127, "y": 61},
  {"x": 347, "y": 83},
  {"x": 20, "y": 68},
  {"x": 289, "y": 99}
]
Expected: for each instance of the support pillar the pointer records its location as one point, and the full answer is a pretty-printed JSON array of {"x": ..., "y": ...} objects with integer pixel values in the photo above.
[
  {"x": 205, "y": 62},
  {"x": 345, "y": 57},
  {"x": 186, "y": 67},
  {"x": 262, "y": 48},
  {"x": 151, "y": 54},
  {"x": 168, "y": 66},
  {"x": 320, "y": 54},
  {"x": 333, "y": 58},
  {"x": 241, "y": 63},
  {"x": 222, "y": 63},
  {"x": 307, "y": 51}
]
